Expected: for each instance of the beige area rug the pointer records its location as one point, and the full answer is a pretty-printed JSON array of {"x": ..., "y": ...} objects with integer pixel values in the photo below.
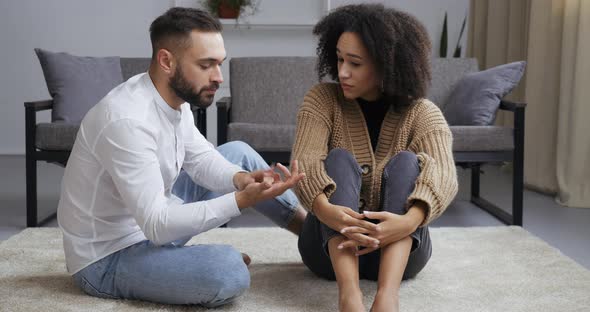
[{"x": 472, "y": 269}]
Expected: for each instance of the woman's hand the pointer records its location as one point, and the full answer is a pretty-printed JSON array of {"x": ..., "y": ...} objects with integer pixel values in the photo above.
[
  {"x": 339, "y": 217},
  {"x": 390, "y": 229}
]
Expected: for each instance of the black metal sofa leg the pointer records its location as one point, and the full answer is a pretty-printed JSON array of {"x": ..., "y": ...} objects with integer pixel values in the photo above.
[{"x": 31, "y": 168}]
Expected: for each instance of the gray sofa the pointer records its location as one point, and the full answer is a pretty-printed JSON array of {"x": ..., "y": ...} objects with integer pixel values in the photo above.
[
  {"x": 266, "y": 93},
  {"x": 53, "y": 141}
]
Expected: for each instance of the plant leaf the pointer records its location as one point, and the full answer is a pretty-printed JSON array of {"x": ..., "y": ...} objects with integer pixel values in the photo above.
[
  {"x": 444, "y": 39},
  {"x": 458, "y": 47}
]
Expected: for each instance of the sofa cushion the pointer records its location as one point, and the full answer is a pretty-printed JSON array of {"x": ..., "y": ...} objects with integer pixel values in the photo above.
[
  {"x": 56, "y": 136},
  {"x": 482, "y": 138},
  {"x": 476, "y": 97},
  {"x": 77, "y": 83},
  {"x": 280, "y": 138},
  {"x": 446, "y": 72},
  {"x": 263, "y": 137},
  {"x": 131, "y": 66}
]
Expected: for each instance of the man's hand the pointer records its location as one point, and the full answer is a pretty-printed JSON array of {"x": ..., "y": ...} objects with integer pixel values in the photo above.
[
  {"x": 390, "y": 229},
  {"x": 265, "y": 184},
  {"x": 242, "y": 179}
]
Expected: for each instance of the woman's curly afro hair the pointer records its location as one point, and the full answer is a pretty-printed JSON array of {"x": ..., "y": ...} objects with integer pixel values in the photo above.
[{"x": 397, "y": 42}]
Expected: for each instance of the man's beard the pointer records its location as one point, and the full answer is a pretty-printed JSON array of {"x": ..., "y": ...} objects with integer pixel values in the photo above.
[{"x": 183, "y": 89}]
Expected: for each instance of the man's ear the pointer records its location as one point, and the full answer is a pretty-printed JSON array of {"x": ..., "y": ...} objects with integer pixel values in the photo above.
[{"x": 166, "y": 61}]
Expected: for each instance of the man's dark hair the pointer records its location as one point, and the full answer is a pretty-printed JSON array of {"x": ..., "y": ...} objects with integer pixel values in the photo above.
[
  {"x": 171, "y": 30},
  {"x": 397, "y": 43}
]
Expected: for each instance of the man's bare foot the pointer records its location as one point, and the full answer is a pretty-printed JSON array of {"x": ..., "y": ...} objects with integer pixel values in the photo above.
[
  {"x": 385, "y": 301},
  {"x": 351, "y": 300},
  {"x": 246, "y": 259},
  {"x": 296, "y": 224}
]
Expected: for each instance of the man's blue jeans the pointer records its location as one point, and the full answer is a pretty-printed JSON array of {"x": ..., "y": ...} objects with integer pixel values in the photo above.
[{"x": 209, "y": 275}]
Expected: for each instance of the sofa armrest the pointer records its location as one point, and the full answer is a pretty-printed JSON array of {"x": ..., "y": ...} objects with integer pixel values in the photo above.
[
  {"x": 518, "y": 154},
  {"x": 511, "y": 106},
  {"x": 39, "y": 105},
  {"x": 224, "y": 103},
  {"x": 223, "y": 111},
  {"x": 200, "y": 116},
  {"x": 31, "y": 109}
]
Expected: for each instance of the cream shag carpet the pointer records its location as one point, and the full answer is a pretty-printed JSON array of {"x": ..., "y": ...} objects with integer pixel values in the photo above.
[{"x": 471, "y": 269}]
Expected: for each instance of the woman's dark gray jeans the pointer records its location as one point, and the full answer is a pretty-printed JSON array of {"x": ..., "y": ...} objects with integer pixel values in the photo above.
[{"x": 399, "y": 178}]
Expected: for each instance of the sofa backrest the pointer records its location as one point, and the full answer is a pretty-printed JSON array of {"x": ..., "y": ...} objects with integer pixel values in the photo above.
[
  {"x": 269, "y": 89},
  {"x": 266, "y": 89},
  {"x": 131, "y": 66},
  {"x": 446, "y": 72}
]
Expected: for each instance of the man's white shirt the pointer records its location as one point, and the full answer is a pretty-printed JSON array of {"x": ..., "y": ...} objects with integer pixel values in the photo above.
[{"x": 128, "y": 153}]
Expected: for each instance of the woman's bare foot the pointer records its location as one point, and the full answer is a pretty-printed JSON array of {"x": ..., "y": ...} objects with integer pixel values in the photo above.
[
  {"x": 385, "y": 301},
  {"x": 351, "y": 300}
]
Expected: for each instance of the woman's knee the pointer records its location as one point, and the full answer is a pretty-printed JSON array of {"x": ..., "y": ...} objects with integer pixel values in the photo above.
[
  {"x": 340, "y": 153},
  {"x": 340, "y": 160},
  {"x": 403, "y": 160},
  {"x": 404, "y": 166}
]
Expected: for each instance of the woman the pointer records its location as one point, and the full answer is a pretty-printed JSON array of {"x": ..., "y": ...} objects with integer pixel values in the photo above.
[{"x": 377, "y": 154}]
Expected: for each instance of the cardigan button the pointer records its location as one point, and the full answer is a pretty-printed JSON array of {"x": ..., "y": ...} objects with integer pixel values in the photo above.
[
  {"x": 361, "y": 204},
  {"x": 366, "y": 169}
]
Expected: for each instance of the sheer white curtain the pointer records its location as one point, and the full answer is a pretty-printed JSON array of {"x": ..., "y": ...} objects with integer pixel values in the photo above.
[
  {"x": 573, "y": 124},
  {"x": 553, "y": 36}
]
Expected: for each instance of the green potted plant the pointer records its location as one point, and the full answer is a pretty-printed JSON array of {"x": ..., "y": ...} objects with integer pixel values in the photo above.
[
  {"x": 444, "y": 39},
  {"x": 233, "y": 9}
]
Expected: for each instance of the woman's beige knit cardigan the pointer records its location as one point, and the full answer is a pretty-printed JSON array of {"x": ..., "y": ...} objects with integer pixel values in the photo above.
[{"x": 326, "y": 120}]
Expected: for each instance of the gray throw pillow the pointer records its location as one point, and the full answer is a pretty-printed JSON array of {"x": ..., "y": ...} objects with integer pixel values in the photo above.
[
  {"x": 77, "y": 83},
  {"x": 476, "y": 97}
]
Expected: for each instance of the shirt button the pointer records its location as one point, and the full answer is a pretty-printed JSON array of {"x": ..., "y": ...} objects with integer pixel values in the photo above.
[{"x": 366, "y": 169}]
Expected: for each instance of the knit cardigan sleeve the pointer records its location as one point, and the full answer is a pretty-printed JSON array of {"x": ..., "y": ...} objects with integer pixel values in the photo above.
[
  {"x": 437, "y": 183},
  {"x": 310, "y": 149}
]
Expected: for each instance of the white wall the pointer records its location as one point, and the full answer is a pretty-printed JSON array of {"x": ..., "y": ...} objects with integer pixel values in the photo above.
[
  {"x": 81, "y": 27},
  {"x": 115, "y": 27},
  {"x": 431, "y": 13}
]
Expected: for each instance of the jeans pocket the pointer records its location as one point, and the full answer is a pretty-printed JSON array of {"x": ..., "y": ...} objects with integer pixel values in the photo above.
[{"x": 88, "y": 288}]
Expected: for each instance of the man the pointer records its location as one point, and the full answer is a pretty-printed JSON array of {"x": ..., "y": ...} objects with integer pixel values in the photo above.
[{"x": 126, "y": 207}]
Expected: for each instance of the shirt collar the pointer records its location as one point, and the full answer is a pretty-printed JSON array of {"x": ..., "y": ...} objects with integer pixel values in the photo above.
[{"x": 173, "y": 115}]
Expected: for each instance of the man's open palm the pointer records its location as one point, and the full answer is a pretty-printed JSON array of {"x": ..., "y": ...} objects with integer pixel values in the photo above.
[{"x": 268, "y": 184}]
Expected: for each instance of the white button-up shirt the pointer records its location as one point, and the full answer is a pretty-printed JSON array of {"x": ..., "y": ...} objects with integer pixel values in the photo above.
[{"x": 116, "y": 190}]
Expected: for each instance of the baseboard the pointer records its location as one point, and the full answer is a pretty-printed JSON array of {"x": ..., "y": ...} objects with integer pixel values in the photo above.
[{"x": 11, "y": 152}]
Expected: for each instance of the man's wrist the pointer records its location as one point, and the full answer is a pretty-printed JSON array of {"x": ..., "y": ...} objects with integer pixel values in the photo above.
[
  {"x": 241, "y": 200},
  {"x": 237, "y": 180}
]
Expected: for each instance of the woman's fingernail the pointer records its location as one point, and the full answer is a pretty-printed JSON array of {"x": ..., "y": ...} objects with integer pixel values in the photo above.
[
  {"x": 343, "y": 231},
  {"x": 339, "y": 246}
]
